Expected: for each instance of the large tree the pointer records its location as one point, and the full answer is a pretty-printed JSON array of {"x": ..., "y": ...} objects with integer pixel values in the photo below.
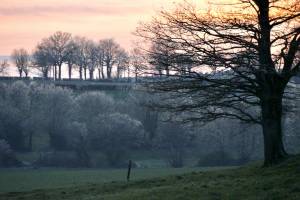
[{"x": 244, "y": 54}]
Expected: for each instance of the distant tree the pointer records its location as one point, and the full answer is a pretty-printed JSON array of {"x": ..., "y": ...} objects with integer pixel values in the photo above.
[
  {"x": 137, "y": 61},
  {"x": 175, "y": 139},
  {"x": 100, "y": 59},
  {"x": 14, "y": 106},
  {"x": 3, "y": 66},
  {"x": 93, "y": 53},
  {"x": 253, "y": 48},
  {"x": 91, "y": 105},
  {"x": 59, "y": 44},
  {"x": 72, "y": 56},
  {"x": 21, "y": 58},
  {"x": 43, "y": 58},
  {"x": 56, "y": 114},
  {"x": 110, "y": 51},
  {"x": 78, "y": 133},
  {"x": 122, "y": 62},
  {"x": 118, "y": 133},
  {"x": 82, "y": 55},
  {"x": 161, "y": 56}
]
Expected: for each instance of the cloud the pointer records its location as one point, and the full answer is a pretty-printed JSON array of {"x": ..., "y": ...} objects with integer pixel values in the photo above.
[{"x": 74, "y": 9}]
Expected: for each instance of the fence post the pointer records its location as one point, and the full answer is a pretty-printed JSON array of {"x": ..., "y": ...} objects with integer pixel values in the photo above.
[{"x": 129, "y": 170}]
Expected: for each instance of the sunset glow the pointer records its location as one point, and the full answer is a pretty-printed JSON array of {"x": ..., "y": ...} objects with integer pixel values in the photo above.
[{"x": 24, "y": 23}]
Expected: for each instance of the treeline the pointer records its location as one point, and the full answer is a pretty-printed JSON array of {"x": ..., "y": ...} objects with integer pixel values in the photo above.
[{"x": 106, "y": 58}]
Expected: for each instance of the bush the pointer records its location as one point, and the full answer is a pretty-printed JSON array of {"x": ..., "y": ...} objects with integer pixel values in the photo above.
[{"x": 7, "y": 156}]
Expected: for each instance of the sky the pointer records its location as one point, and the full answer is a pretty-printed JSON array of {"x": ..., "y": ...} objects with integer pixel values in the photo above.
[{"x": 25, "y": 22}]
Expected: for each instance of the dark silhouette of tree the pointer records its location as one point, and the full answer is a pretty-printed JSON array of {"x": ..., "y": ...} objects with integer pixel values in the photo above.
[{"x": 250, "y": 49}]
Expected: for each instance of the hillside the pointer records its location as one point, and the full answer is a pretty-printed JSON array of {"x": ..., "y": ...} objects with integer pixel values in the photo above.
[{"x": 249, "y": 182}]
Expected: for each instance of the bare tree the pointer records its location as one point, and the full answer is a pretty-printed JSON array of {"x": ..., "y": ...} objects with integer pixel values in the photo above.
[
  {"x": 59, "y": 42},
  {"x": 82, "y": 55},
  {"x": 100, "y": 59},
  {"x": 110, "y": 49},
  {"x": 137, "y": 60},
  {"x": 21, "y": 59},
  {"x": 250, "y": 51},
  {"x": 42, "y": 58},
  {"x": 92, "y": 51},
  {"x": 3, "y": 66},
  {"x": 122, "y": 62},
  {"x": 72, "y": 53}
]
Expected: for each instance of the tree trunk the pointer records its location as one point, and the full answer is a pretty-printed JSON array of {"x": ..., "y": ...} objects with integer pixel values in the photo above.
[
  {"x": 108, "y": 70},
  {"x": 20, "y": 73},
  {"x": 99, "y": 74},
  {"x": 272, "y": 129},
  {"x": 70, "y": 71},
  {"x": 102, "y": 72},
  {"x": 45, "y": 73},
  {"x": 80, "y": 73},
  {"x": 55, "y": 72},
  {"x": 59, "y": 72},
  {"x": 84, "y": 73},
  {"x": 91, "y": 74}
]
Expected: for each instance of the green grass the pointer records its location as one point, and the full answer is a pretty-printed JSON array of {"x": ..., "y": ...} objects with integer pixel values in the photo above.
[
  {"x": 251, "y": 182},
  {"x": 17, "y": 180}
]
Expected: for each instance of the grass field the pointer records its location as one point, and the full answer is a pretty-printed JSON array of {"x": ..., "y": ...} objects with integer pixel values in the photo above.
[
  {"x": 19, "y": 180},
  {"x": 251, "y": 182}
]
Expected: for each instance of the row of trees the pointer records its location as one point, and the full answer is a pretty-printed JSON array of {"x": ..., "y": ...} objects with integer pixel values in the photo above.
[{"x": 106, "y": 57}]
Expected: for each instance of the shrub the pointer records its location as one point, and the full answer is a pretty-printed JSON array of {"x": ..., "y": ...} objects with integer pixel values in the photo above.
[{"x": 7, "y": 156}]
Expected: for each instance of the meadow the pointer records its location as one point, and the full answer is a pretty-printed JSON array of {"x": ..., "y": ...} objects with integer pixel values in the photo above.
[
  {"x": 20, "y": 180},
  {"x": 251, "y": 182}
]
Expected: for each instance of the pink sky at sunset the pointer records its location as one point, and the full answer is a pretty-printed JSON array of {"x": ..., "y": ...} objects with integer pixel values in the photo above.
[{"x": 26, "y": 22}]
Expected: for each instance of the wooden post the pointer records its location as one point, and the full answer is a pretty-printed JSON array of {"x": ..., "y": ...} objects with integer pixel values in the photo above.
[{"x": 129, "y": 170}]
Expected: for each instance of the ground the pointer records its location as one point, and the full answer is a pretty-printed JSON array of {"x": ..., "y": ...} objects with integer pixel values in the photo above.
[{"x": 250, "y": 182}]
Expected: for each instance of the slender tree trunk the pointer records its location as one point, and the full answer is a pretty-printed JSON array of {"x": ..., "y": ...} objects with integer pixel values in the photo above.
[
  {"x": 108, "y": 70},
  {"x": 272, "y": 129},
  {"x": 59, "y": 71},
  {"x": 80, "y": 73},
  {"x": 102, "y": 73},
  {"x": 20, "y": 73},
  {"x": 99, "y": 73},
  {"x": 167, "y": 71},
  {"x": 55, "y": 72},
  {"x": 70, "y": 70},
  {"x": 91, "y": 74},
  {"x": 84, "y": 73}
]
